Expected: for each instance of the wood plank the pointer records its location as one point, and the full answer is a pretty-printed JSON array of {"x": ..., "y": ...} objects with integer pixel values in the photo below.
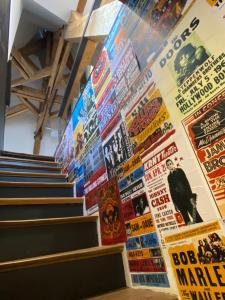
[
  {"x": 55, "y": 63},
  {"x": 26, "y": 155},
  {"x": 46, "y": 222},
  {"x": 37, "y": 184},
  {"x": 28, "y": 68},
  {"x": 5, "y": 165},
  {"x": 29, "y": 105},
  {"x": 53, "y": 163},
  {"x": 40, "y": 201},
  {"x": 19, "y": 68},
  {"x": 32, "y": 47},
  {"x": 16, "y": 110},
  {"x": 30, "y": 174},
  {"x": 43, "y": 73},
  {"x": 135, "y": 294},
  {"x": 61, "y": 257},
  {"x": 33, "y": 94}
]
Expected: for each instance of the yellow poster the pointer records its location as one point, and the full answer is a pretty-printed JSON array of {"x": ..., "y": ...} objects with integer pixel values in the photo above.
[
  {"x": 141, "y": 225},
  {"x": 191, "y": 68},
  {"x": 198, "y": 263},
  {"x": 147, "y": 121},
  {"x": 139, "y": 254}
]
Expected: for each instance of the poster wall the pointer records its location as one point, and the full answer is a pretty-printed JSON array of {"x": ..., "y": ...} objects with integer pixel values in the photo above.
[{"x": 149, "y": 143}]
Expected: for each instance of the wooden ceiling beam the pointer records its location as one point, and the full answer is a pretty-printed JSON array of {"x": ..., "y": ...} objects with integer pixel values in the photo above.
[
  {"x": 33, "y": 47},
  {"x": 16, "y": 110},
  {"x": 43, "y": 73},
  {"x": 33, "y": 94},
  {"x": 19, "y": 68},
  {"x": 25, "y": 64},
  {"x": 29, "y": 105}
]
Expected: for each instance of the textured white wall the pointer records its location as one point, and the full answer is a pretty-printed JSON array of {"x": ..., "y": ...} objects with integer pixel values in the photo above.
[{"x": 15, "y": 14}]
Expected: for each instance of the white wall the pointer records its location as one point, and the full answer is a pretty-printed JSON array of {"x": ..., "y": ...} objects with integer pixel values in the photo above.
[
  {"x": 19, "y": 135},
  {"x": 15, "y": 14}
]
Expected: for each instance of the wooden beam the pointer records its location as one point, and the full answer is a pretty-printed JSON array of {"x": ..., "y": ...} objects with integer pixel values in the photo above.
[
  {"x": 29, "y": 105},
  {"x": 25, "y": 64},
  {"x": 43, "y": 73},
  {"x": 81, "y": 5},
  {"x": 55, "y": 63},
  {"x": 33, "y": 94},
  {"x": 16, "y": 110},
  {"x": 32, "y": 47},
  {"x": 19, "y": 68},
  {"x": 99, "y": 25},
  {"x": 37, "y": 144},
  {"x": 64, "y": 81}
]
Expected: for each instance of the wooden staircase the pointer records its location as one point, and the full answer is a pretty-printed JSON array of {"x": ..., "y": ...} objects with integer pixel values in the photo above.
[{"x": 48, "y": 249}]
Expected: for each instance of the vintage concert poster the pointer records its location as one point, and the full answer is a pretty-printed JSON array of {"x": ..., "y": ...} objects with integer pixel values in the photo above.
[
  {"x": 206, "y": 131},
  {"x": 192, "y": 62},
  {"x": 176, "y": 190},
  {"x": 110, "y": 213},
  {"x": 197, "y": 259}
]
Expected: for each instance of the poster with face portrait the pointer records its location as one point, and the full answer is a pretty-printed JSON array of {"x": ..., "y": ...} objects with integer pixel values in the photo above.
[
  {"x": 110, "y": 213},
  {"x": 176, "y": 190},
  {"x": 192, "y": 62},
  {"x": 206, "y": 131},
  {"x": 197, "y": 258},
  {"x": 116, "y": 149}
]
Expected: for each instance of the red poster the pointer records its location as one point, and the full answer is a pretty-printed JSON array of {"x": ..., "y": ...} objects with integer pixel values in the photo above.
[
  {"x": 111, "y": 218},
  {"x": 206, "y": 132}
]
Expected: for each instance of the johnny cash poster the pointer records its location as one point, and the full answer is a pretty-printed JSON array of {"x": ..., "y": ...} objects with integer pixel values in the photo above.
[
  {"x": 197, "y": 259},
  {"x": 206, "y": 131},
  {"x": 190, "y": 69},
  {"x": 116, "y": 149},
  {"x": 176, "y": 190}
]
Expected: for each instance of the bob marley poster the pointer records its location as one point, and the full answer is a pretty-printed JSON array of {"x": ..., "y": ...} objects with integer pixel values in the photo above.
[
  {"x": 192, "y": 62},
  {"x": 111, "y": 218},
  {"x": 206, "y": 131},
  {"x": 197, "y": 258}
]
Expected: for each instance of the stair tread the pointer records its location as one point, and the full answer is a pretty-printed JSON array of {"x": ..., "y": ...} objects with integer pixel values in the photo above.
[
  {"x": 36, "y": 184},
  {"x": 27, "y": 160},
  {"x": 34, "y": 201},
  {"x": 29, "y": 174},
  {"x": 5, "y": 165},
  {"x": 31, "y": 156},
  {"x": 47, "y": 221},
  {"x": 133, "y": 294},
  {"x": 61, "y": 257}
]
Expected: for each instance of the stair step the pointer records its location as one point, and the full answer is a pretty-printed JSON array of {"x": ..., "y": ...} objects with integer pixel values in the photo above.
[
  {"x": 12, "y": 167},
  {"x": 31, "y": 177},
  {"x": 35, "y": 189},
  {"x": 26, "y": 162},
  {"x": 28, "y": 238},
  {"x": 27, "y": 156},
  {"x": 71, "y": 275},
  {"x": 134, "y": 294},
  {"x": 39, "y": 208}
]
